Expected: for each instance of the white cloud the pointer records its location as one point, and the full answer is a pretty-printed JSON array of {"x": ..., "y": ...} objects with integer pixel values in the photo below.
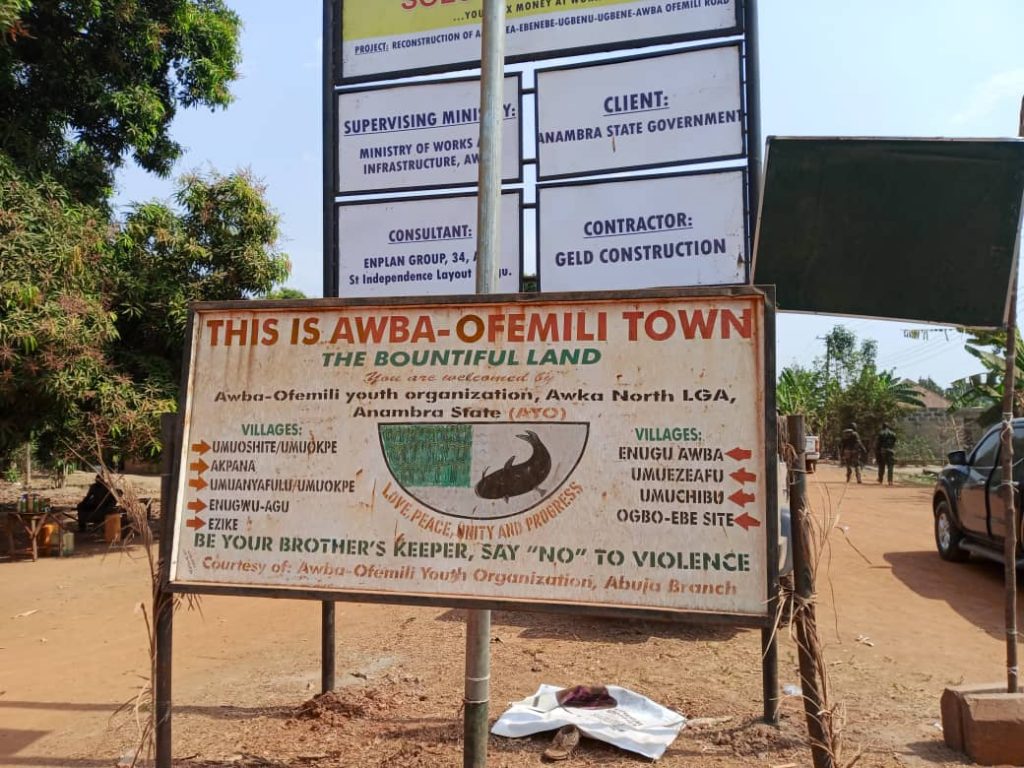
[{"x": 991, "y": 96}]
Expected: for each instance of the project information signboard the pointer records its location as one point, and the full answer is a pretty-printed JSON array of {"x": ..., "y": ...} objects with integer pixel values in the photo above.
[
  {"x": 391, "y": 37},
  {"x": 420, "y": 136},
  {"x": 687, "y": 229},
  {"x": 422, "y": 246},
  {"x": 654, "y": 111},
  {"x": 601, "y": 452}
]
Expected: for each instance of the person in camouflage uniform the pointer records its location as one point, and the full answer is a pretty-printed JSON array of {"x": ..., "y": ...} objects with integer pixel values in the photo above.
[
  {"x": 851, "y": 449},
  {"x": 885, "y": 452}
]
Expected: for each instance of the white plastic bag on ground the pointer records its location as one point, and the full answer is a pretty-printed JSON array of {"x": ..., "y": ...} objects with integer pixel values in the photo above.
[{"x": 636, "y": 724}]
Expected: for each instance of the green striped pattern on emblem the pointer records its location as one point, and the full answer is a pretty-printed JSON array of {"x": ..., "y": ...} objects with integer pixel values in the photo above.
[{"x": 423, "y": 455}]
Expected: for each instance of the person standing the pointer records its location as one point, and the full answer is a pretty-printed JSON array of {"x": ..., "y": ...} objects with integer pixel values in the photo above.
[
  {"x": 851, "y": 448},
  {"x": 885, "y": 450}
]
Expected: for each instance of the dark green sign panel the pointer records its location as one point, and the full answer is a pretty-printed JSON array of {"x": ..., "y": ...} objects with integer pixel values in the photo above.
[{"x": 909, "y": 229}]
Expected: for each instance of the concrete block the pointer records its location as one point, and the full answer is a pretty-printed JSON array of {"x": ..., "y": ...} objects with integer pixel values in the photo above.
[
  {"x": 993, "y": 728},
  {"x": 953, "y": 709}
]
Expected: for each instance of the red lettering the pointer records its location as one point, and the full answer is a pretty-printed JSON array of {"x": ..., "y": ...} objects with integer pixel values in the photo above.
[{"x": 698, "y": 322}]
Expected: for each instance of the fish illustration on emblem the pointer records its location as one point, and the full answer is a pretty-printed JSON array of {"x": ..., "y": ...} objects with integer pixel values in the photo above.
[{"x": 517, "y": 479}]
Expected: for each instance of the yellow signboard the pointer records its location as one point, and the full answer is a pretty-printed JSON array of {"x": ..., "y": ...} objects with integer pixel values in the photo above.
[{"x": 388, "y": 37}]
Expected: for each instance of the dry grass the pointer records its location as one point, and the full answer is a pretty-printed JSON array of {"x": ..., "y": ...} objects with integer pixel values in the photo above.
[
  {"x": 826, "y": 716},
  {"x": 139, "y": 535}
]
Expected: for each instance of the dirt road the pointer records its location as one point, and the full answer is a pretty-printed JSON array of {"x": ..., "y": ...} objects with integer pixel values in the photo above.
[{"x": 898, "y": 623}]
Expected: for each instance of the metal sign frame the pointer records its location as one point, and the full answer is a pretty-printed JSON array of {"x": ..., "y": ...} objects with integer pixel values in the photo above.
[
  {"x": 338, "y": 76},
  {"x": 764, "y": 621},
  {"x": 743, "y": 93},
  {"x": 384, "y": 201},
  {"x": 639, "y": 179},
  {"x": 746, "y": 26},
  {"x": 947, "y": 157},
  {"x": 336, "y": 131}
]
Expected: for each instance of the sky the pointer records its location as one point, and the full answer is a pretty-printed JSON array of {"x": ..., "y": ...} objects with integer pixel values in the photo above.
[{"x": 924, "y": 68}]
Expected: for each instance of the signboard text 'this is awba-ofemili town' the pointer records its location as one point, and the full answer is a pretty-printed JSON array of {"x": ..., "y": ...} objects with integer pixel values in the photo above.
[{"x": 470, "y": 328}]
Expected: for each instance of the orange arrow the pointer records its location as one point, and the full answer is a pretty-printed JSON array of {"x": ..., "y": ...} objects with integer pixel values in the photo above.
[
  {"x": 740, "y": 454},
  {"x": 201, "y": 447},
  {"x": 195, "y": 523},
  {"x": 196, "y": 506},
  {"x": 198, "y": 483},
  {"x": 199, "y": 466},
  {"x": 741, "y": 498},
  {"x": 745, "y": 521},
  {"x": 742, "y": 476}
]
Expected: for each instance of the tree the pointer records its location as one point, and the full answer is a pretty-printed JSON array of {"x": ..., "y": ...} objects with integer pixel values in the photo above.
[
  {"x": 800, "y": 390},
  {"x": 93, "y": 310},
  {"x": 985, "y": 390},
  {"x": 844, "y": 358},
  {"x": 85, "y": 84},
  {"x": 56, "y": 383},
  {"x": 845, "y": 386},
  {"x": 92, "y": 314},
  {"x": 220, "y": 245},
  {"x": 285, "y": 293},
  {"x": 928, "y": 383},
  {"x": 874, "y": 398}
]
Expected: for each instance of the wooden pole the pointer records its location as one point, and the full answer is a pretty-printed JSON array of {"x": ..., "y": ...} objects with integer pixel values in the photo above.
[
  {"x": 1009, "y": 492},
  {"x": 1008, "y": 486},
  {"x": 806, "y": 624}
]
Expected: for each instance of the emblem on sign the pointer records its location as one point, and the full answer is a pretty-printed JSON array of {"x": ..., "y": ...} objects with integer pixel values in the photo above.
[{"x": 483, "y": 470}]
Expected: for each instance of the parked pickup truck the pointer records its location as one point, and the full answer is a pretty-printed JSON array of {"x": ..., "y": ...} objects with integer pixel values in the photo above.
[
  {"x": 812, "y": 451},
  {"x": 967, "y": 503}
]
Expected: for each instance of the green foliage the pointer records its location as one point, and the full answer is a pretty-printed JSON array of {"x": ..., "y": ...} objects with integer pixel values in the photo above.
[
  {"x": 985, "y": 390},
  {"x": 55, "y": 321},
  {"x": 92, "y": 310},
  {"x": 800, "y": 390},
  {"x": 874, "y": 398},
  {"x": 844, "y": 358},
  {"x": 85, "y": 84},
  {"x": 92, "y": 314},
  {"x": 285, "y": 293},
  {"x": 931, "y": 385},
  {"x": 917, "y": 450},
  {"x": 11, "y": 27},
  {"x": 845, "y": 386},
  {"x": 220, "y": 245}
]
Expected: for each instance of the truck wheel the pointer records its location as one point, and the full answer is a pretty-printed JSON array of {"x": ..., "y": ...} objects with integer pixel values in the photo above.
[
  {"x": 811, "y": 467},
  {"x": 947, "y": 535}
]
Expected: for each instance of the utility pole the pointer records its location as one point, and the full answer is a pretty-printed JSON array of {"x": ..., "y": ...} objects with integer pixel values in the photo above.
[{"x": 823, "y": 427}]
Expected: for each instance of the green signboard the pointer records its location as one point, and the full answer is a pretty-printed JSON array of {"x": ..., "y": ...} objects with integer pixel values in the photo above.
[{"x": 911, "y": 229}]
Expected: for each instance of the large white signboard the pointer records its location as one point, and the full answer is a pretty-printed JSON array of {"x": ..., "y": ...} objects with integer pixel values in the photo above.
[
  {"x": 685, "y": 230},
  {"x": 422, "y": 246},
  {"x": 401, "y": 36},
  {"x": 420, "y": 136},
  {"x": 662, "y": 110},
  {"x": 605, "y": 452}
]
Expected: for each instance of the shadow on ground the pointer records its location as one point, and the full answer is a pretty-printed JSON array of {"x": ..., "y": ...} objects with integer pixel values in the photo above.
[
  {"x": 973, "y": 589},
  {"x": 545, "y": 626}
]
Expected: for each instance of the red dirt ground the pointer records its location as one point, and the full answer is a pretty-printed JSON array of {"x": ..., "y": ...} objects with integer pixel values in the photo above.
[{"x": 898, "y": 625}]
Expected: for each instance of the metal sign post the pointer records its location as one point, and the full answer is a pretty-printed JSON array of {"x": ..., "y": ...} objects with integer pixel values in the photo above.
[
  {"x": 327, "y": 608},
  {"x": 163, "y": 598},
  {"x": 492, "y": 77}
]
